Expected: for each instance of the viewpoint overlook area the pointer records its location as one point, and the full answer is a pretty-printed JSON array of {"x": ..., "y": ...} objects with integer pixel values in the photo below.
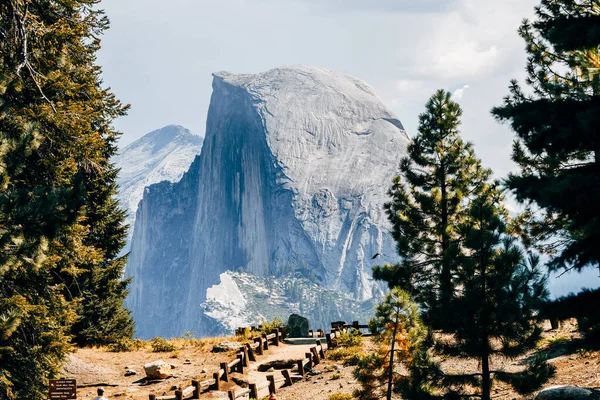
[{"x": 291, "y": 181}]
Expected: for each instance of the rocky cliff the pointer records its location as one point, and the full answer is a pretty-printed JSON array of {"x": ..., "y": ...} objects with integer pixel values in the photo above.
[
  {"x": 291, "y": 180},
  {"x": 161, "y": 155}
]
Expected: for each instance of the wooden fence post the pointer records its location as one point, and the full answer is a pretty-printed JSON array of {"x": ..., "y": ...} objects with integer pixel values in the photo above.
[
  {"x": 225, "y": 367},
  {"x": 301, "y": 368},
  {"x": 240, "y": 367},
  {"x": 309, "y": 356},
  {"x": 288, "y": 378},
  {"x": 329, "y": 341},
  {"x": 231, "y": 395},
  {"x": 276, "y": 332},
  {"x": 217, "y": 379},
  {"x": 313, "y": 350},
  {"x": 266, "y": 341},
  {"x": 196, "y": 393},
  {"x": 321, "y": 351},
  {"x": 271, "y": 380},
  {"x": 245, "y": 353},
  {"x": 251, "y": 356},
  {"x": 253, "y": 391},
  {"x": 152, "y": 397},
  {"x": 178, "y": 395}
]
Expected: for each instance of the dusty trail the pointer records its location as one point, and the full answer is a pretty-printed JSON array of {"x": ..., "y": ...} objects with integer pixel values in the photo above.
[{"x": 282, "y": 352}]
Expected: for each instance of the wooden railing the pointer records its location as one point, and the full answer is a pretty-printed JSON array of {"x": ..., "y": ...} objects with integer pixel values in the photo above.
[
  {"x": 273, "y": 383},
  {"x": 249, "y": 352},
  {"x": 256, "y": 347},
  {"x": 318, "y": 333}
]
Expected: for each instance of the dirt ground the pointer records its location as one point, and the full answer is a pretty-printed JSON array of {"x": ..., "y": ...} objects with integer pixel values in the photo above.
[
  {"x": 573, "y": 367},
  {"x": 193, "y": 360},
  {"x": 95, "y": 367}
]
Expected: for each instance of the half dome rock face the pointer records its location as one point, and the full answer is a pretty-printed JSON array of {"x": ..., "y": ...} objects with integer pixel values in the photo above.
[{"x": 292, "y": 178}]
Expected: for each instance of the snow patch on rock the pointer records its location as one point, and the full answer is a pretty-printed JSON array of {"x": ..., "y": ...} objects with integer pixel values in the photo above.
[{"x": 161, "y": 155}]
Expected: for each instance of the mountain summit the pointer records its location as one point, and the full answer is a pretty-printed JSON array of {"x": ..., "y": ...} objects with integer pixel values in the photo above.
[
  {"x": 161, "y": 155},
  {"x": 291, "y": 180}
]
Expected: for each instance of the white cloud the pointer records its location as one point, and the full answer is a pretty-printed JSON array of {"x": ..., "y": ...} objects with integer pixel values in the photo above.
[
  {"x": 458, "y": 93},
  {"x": 399, "y": 6}
]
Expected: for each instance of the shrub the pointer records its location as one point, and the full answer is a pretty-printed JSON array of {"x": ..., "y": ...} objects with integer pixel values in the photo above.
[
  {"x": 336, "y": 376},
  {"x": 340, "y": 396},
  {"x": 341, "y": 353},
  {"x": 126, "y": 344},
  {"x": 276, "y": 323},
  {"x": 160, "y": 345},
  {"x": 351, "y": 338},
  {"x": 354, "y": 358}
]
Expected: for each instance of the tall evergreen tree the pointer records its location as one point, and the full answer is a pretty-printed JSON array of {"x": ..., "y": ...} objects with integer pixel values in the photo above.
[
  {"x": 428, "y": 202},
  {"x": 500, "y": 291},
  {"x": 55, "y": 223},
  {"x": 557, "y": 124},
  {"x": 98, "y": 287}
]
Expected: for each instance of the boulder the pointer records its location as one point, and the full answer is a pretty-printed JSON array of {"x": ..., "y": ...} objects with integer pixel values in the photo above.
[
  {"x": 157, "y": 370},
  {"x": 568, "y": 393},
  {"x": 226, "y": 346},
  {"x": 298, "y": 326}
]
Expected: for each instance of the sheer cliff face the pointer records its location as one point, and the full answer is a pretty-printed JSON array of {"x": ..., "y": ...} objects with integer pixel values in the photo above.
[
  {"x": 161, "y": 155},
  {"x": 293, "y": 174}
]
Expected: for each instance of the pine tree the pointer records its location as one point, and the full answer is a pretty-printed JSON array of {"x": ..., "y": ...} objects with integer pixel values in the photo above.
[
  {"x": 401, "y": 362},
  {"x": 556, "y": 122},
  {"x": 428, "y": 202},
  {"x": 98, "y": 287},
  {"x": 55, "y": 140},
  {"x": 496, "y": 305}
]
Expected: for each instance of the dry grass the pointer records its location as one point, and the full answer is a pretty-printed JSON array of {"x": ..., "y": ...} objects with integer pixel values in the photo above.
[{"x": 340, "y": 396}]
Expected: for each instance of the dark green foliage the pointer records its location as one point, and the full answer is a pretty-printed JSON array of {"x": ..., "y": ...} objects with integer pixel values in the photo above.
[
  {"x": 428, "y": 202},
  {"x": 60, "y": 229},
  {"x": 99, "y": 287},
  {"x": 34, "y": 326},
  {"x": 556, "y": 122},
  {"x": 461, "y": 263},
  {"x": 500, "y": 292}
]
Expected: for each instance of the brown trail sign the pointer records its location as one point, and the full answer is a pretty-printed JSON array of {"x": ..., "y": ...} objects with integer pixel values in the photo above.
[{"x": 62, "y": 389}]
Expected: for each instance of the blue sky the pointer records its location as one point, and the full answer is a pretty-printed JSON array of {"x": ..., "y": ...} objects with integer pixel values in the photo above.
[{"x": 159, "y": 56}]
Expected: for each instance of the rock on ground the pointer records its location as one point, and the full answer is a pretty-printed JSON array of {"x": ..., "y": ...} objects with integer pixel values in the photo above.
[
  {"x": 226, "y": 346},
  {"x": 298, "y": 326},
  {"x": 568, "y": 393},
  {"x": 157, "y": 370}
]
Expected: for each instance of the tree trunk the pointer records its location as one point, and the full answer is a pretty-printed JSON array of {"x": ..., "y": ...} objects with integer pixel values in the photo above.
[
  {"x": 391, "y": 369},
  {"x": 485, "y": 340},
  {"x": 485, "y": 375},
  {"x": 446, "y": 274}
]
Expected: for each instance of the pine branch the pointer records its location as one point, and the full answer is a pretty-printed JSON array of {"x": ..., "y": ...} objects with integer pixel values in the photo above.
[{"x": 19, "y": 27}]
